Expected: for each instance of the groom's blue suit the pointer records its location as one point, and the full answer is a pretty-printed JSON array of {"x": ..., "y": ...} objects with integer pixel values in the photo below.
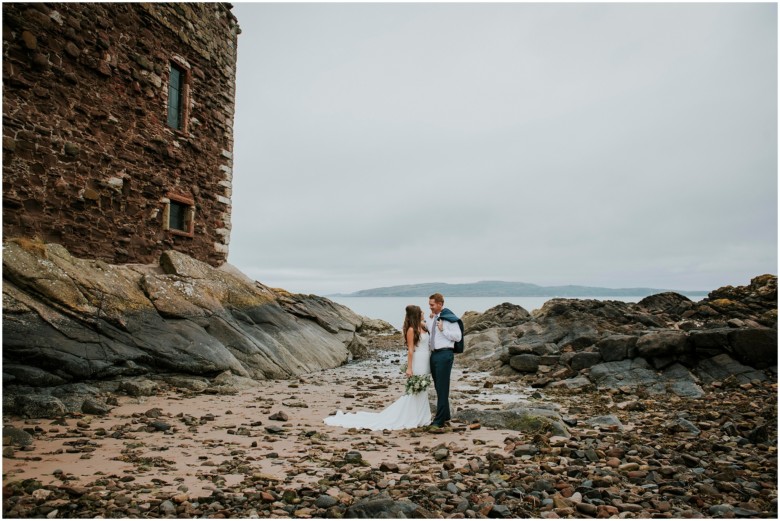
[{"x": 442, "y": 357}]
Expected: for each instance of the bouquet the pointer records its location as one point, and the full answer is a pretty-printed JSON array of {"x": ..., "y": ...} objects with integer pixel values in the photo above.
[{"x": 418, "y": 383}]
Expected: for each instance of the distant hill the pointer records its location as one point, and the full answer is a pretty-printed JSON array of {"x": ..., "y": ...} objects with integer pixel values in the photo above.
[{"x": 497, "y": 288}]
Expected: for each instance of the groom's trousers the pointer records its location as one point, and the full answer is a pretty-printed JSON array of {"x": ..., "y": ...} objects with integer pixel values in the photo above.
[{"x": 441, "y": 369}]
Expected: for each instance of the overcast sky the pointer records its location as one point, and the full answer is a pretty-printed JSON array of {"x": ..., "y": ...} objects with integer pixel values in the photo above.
[{"x": 615, "y": 145}]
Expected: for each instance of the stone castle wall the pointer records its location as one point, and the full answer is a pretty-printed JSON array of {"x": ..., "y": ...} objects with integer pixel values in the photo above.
[{"x": 89, "y": 160}]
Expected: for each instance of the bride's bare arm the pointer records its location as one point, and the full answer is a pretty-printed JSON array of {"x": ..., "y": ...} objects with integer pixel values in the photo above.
[{"x": 410, "y": 350}]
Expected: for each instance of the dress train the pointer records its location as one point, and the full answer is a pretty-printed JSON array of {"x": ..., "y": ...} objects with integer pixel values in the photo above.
[{"x": 407, "y": 412}]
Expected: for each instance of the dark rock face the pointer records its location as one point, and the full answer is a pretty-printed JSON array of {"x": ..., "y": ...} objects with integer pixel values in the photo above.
[
  {"x": 661, "y": 342},
  {"x": 68, "y": 320}
]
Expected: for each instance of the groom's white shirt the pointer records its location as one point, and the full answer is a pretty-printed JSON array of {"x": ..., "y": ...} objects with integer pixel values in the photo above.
[{"x": 445, "y": 338}]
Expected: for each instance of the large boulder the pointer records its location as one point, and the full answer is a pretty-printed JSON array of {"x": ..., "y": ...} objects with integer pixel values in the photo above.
[
  {"x": 17, "y": 437},
  {"x": 710, "y": 342},
  {"x": 35, "y": 405},
  {"x": 662, "y": 344},
  {"x": 503, "y": 315},
  {"x": 485, "y": 350},
  {"x": 525, "y": 363},
  {"x": 617, "y": 347},
  {"x": 584, "y": 360},
  {"x": 670, "y": 303},
  {"x": 756, "y": 347}
]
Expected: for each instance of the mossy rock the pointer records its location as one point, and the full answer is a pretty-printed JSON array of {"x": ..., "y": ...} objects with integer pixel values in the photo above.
[
  {"x": 530, "y": 424},
  {"x": 527, "y": 420}
]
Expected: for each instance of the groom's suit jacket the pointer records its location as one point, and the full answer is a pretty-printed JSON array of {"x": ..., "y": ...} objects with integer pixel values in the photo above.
[{"x": 450, "y": 334}]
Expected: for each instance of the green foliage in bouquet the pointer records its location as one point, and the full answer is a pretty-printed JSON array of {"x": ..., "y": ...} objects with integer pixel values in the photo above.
[{"x": 418, "y": 383}]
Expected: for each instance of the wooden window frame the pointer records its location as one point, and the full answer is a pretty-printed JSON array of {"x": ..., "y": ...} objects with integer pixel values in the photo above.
[
  {"x": 189, "y": 218},
  {"x": 184, "y": 95}
]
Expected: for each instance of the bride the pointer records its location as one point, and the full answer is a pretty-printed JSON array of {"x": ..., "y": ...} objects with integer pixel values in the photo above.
[{"x": 410, "y": 410}]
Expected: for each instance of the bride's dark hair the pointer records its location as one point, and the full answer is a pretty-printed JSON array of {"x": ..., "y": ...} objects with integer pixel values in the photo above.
[{"x": 413, "y": 320}]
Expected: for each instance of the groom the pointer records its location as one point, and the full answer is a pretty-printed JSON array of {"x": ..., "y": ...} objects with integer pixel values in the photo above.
[{"x": 444, "y": 332}]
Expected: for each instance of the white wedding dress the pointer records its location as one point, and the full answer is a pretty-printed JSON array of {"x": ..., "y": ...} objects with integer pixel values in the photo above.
[{"x": 407, "y": 412}]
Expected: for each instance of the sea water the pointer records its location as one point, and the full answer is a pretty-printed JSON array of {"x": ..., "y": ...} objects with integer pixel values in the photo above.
[{"x": 391, "y": 309}]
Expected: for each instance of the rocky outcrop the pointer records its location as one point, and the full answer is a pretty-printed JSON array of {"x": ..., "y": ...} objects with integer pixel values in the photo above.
[
  {"x": 495, "y": 316},
  {"x": 664, "y": 343},
  {"x": 68, "y": 320}
]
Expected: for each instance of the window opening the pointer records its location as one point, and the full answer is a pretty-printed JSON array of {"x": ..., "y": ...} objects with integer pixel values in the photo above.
[
  {"x": 176, "y": 97},
  {"x": 178, "y": 217}
]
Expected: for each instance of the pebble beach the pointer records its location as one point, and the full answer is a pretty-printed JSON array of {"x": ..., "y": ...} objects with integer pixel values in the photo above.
[{"x": 265, "y": 452}]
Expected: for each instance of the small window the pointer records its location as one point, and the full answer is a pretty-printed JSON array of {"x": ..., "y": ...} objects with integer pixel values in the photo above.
[
  {"x": 179, "y": 215},
  {"x": 176, "y": 98}
]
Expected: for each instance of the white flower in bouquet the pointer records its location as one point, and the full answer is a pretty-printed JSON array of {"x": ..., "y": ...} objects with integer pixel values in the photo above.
[{"x": 418, "y": 383}]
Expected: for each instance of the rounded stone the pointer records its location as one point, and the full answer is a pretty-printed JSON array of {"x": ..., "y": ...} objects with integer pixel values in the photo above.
[
  {"x": 326, "y": 501},
  {"x": 353, "y": 457},
  {"x": 525, "y": 363}
]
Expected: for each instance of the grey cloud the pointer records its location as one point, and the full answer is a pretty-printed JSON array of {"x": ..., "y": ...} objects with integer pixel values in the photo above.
[{"x": 602, "y": 144}]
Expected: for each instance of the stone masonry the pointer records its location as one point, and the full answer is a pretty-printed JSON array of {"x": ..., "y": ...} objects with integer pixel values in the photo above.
[{"x": 90, "y": 160}]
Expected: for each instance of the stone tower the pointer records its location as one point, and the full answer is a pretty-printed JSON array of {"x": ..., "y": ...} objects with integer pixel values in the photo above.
[{"x": 118, "y": 127}]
